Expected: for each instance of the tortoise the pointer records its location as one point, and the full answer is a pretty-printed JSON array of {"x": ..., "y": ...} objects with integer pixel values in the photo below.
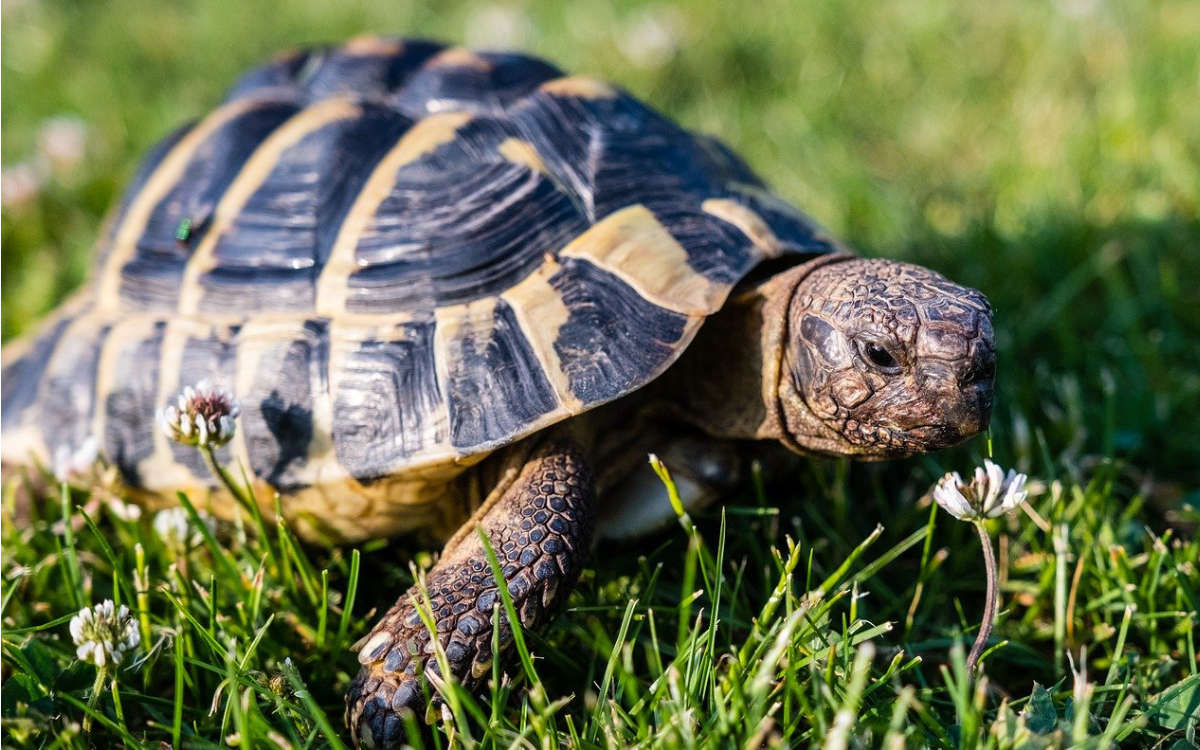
[{"x": 457, "y": 290}]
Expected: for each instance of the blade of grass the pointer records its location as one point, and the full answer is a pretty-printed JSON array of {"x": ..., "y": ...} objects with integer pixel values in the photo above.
[
  {"x": 71, "y": 573},
  {"x": 610, "y": 667},
  {"x": 351, "y": 592},
  {"x": 300, "y": 690}
]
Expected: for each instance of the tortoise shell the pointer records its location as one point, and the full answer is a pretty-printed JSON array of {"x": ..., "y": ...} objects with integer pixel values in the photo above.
[{"x": 396, "y": 255}]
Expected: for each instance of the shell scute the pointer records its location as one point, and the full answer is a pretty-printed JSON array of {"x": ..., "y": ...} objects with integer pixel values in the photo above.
[
  {"x": 613, "y": 336},
  {"x": 388, "y": 402},
  {"x": 278, "y": 408},
  {"x": 127, "y": 387},
  {"x": 614, "y": 152},
  {"x": 495, "y": 383}
]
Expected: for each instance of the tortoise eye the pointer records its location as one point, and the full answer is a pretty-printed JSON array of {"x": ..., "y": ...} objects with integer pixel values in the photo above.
[{"x": 880, "y": 356}]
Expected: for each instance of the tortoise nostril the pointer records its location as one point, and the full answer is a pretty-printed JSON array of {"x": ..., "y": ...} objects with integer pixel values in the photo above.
[{"x": 981, "y": 370}]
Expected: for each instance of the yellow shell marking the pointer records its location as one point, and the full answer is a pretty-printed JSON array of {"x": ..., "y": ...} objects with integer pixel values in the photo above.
[
  {"x": 766, "y": 197},
  {"x": 540, "y": 311},
  {"x": 580, "y": 86},
  {"x": 126, "y": 333},
  {"x": 369, "y": 45},
  {"x": 251, "y": 177},
  {"x": 633, "y": 246},
  {"x": 522, "y": 152},
  {"x": 160, "y": 182},
  {"x": 422, "y": 138},
  {"x": 750, "y": 223},
  {"x": 458, "y": 57}
]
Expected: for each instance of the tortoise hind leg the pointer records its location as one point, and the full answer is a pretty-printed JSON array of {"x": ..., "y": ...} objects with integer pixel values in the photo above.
[{"x": 541, "y": 528}]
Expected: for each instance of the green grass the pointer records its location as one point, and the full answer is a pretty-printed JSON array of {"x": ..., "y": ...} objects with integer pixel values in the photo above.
[
  {"x": 749, "y": 626},
  {"x": 1045, "y": 154}
]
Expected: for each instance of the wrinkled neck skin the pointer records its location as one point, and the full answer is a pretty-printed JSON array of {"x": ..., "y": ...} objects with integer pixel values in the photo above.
[{"x": 728, "y": 383}]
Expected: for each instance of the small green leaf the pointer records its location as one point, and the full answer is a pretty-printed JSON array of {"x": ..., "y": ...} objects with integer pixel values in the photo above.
[
  {"x": 41, "y": 662},
  {"x": 75, "y": 677},
  {"x": 19, "y": 688},
  {"x": 1177, "y": 706},
  {"x": 1039, "y": 713}
]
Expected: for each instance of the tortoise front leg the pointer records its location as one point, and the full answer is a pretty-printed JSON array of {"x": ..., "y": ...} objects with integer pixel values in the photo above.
[{"x": 541, "y": 528}]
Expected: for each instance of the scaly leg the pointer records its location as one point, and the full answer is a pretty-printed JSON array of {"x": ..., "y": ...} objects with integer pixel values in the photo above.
[{"x": 541, "y": 528}]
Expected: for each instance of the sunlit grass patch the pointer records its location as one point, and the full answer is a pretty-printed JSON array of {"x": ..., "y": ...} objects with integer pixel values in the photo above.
[{"x": 744, "y": 627}]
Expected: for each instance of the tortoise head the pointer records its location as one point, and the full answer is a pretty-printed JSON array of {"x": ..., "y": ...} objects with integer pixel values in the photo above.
[{"x": 884, "y": 359}]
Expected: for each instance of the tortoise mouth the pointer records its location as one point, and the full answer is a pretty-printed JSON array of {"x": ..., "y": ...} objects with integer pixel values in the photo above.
[{"x": 948, "y": 419}]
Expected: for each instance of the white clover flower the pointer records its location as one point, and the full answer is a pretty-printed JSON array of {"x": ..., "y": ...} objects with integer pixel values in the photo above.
[
  {"x": 125, "y": 511},
  {"x": 20, "y": 184},
  {"x": 173, "y": 524},
  {"x": 75, "y": 461},
  {"x": 202, "y": 415},
  {"x": 103, "y": 634},
  {"x": 496, "y": 26},
  {"x": 62, "y": 141},
  {"x": 652, "y": 37},
  {"x": 991, "y": 493}
]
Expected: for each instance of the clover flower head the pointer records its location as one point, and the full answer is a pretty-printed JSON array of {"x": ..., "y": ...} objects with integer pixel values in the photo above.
[
  {"x": 62, "y": 142},
  {"x": 203, "y": 414},
  {"x": 125, "y": 511},
  {"x": 990, "y": 493},
  {"x": 71, "y": 462},
  {"x": 103, "y": 634},
  {"x": 173, "y": 524}
]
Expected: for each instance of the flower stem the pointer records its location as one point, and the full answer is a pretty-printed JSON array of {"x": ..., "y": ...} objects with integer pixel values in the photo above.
[
  {"x": 989, "y": 610},
  {"x": 97, "y": 686},
  {"x": 210, "y": 459}
]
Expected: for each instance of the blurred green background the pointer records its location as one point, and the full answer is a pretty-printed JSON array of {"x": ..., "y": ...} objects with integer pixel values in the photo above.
[{"x": 1047, "y": 153}]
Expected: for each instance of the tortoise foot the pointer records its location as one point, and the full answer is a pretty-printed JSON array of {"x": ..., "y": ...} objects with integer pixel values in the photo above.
[{"x": 540, "y": 527}]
